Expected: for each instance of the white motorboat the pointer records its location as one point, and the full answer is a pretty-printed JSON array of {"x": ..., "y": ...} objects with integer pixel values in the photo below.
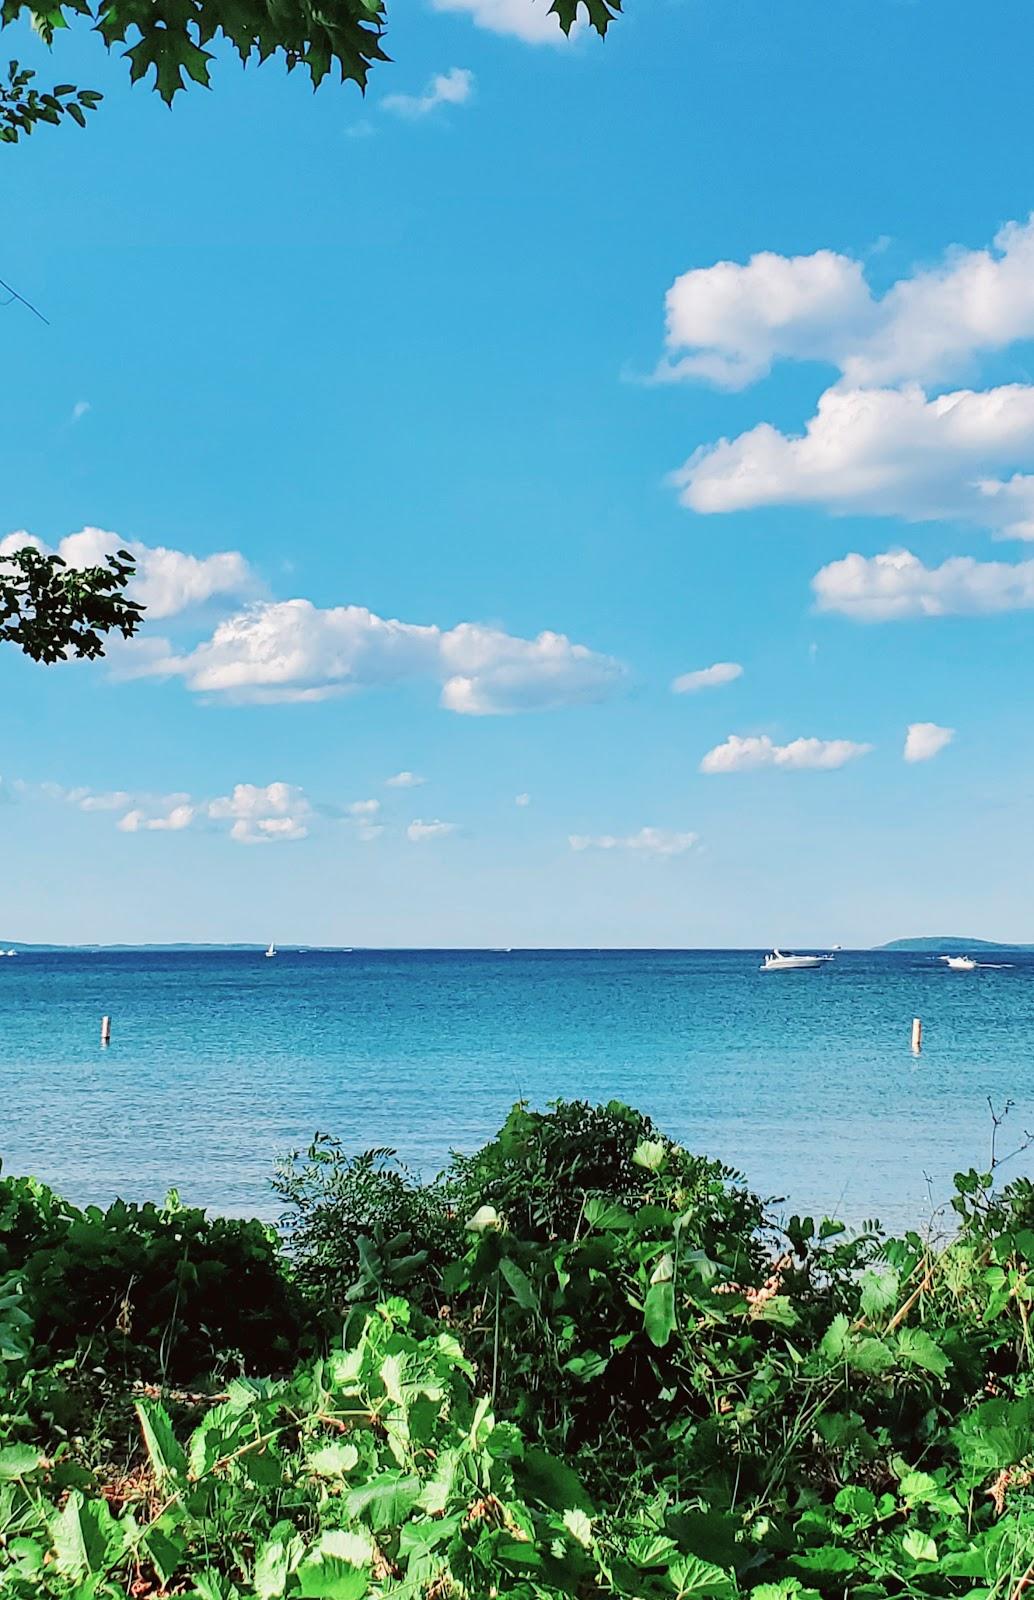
[
  {"x": 778, "y": 962},
  {"x": 271, "y": 952},
  {"x": 959, "y": 963}
]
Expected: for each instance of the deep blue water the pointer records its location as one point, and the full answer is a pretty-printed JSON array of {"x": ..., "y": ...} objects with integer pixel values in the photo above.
[{"x": 220, "y": 1062}]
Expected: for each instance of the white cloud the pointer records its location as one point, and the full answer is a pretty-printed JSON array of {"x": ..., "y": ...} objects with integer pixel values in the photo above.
[
  {"x": 260, "y": 815},
  {"x": 178, "y": 817},
  {"x": 924, "y": 740},
  {"x": 896, "y": 585},
  {"x": 747, "y": 754},
  {"x": 87, "y": 799},
  {"x": 885, "y": 452},
  {"x": 291, "y": 650},
  {"x": 728, "y": 323},
  {"x": 735, "y": 320},
  {"x": 707, "y": 677},
  {"x": 166, "y": 582},
  {"x": 648, "y": 841},
  {"x": 364, "y": 808},
  {"x": 452, "y": 88},
  {"x": 530, "y": 20},
  {"x": 404, "y": 780},
  {"x": 419, "y": 830},
  {"x": 522, "y": 799}
]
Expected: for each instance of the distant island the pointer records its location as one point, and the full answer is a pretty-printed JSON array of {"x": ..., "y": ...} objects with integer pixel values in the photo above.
[
  {"x": 951, "y": 943},
  {"x": 54, "y": 949}
]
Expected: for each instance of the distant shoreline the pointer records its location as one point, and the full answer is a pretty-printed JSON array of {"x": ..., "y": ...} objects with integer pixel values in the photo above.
[{"x": 951, "y": 944}]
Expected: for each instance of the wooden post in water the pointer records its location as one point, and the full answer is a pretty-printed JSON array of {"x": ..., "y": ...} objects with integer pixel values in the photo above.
[
  {"x": 105, "y": 1030},
  {"x": 917, "y": 1035}
]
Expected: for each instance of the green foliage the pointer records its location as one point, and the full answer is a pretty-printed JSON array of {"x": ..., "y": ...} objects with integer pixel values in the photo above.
[
  {"x": 169, "y": 43},
  {"x": 23, "y": 106},
  {"x": 611, "y": 1376},
  {"x": 51, "y": 610},
  {"x": 361, "y": 1227},
  {"x": 140, "y": 1291}
]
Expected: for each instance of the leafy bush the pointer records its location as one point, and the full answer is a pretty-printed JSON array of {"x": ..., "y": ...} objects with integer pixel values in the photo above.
[
  {"x": 361, "y": 1227},
  {"x": 156, "y": 1293},
  {"x": 613, "y": 1377}
]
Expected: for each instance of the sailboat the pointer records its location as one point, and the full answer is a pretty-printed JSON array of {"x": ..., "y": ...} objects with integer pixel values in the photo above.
[{"x": 271, "y": 952}]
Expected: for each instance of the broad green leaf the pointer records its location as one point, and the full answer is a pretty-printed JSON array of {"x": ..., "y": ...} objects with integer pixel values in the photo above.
[
  {"x": 519, "y": 1283},
  {"x": 659, "y": 1313},
  {"x": 606, "y": 1215},
  {"x": 437, "y": 1491},
  {"x": 879, "y": 1292},
  {"x": 164, "y": 1449},
  {"x": 274, "y": 1563},
  {"x": 166, "y": 1551},
  {"x": 690, "y": 1575},
  {"x": 86, "y": 1537},
  {"x": 386, "y": 1500},
  {"x": 869, "y": 1355},
  {"x": 918, "y": 1349},
  {"x": 552, "y": 1482},
  {"x": 333, "y": 1460},
  {"x": 780, "y": 1311},
  {"x": 828, "y": 1558},
  {"x": 919, "y": 1546},
  {"x": 345, "y": 1545},
  {"x": 579, "y": 1527},
  {"x": 650, "y": 1550},
  {"x": 835, "y": 1340},
  {"x": 331, "y": 1579},
  {"x": 858, "y": 1503},
  {"x": 17, "y": 1460}
]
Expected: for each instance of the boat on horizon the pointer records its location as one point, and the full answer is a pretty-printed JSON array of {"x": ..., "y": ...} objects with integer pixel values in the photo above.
[
  {"x": 271, "y": 952},
  {"x": 778, "y": 962},
  {"x": 959, "y": 963}
]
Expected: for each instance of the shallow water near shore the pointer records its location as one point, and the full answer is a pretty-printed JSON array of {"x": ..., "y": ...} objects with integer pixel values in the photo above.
[{"x": 221, "y": 1061}]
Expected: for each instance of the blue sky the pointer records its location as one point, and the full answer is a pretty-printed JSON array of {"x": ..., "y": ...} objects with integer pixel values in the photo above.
[{"x": 410, "y": 358}]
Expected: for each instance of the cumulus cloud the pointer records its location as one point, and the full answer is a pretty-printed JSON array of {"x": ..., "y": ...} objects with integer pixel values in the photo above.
[
  {"x": 707, "y": 677},
  {"x": 728, "y": 323},
  {"x": 419, "y": 830},
  {"x": 452, "y": 88},
  {"x": 404, "y": 780},
  {"x": 758, "y": 750},
  {"x": 292, "y": 650},
  {"x": 734, "y": 321},
  {"x": 364, "y": 808},
  {"x": 177, "y": 817},
  {"x": 167, "y": 581},
  {"x": 648, "y": 841},
  {"x": 530, "y": 20},
  {"x": 924, "y": 740},
  {"x": 896, "y": 585},
  {"x": 885, "y": 452},
  {"x": 275, "y": 813}
]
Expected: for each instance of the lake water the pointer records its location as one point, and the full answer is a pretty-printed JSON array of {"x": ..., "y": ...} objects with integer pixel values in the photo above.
[{"x": 220, "y": 1062}]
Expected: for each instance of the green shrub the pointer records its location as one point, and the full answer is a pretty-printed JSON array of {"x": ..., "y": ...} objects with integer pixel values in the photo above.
[{"x": 155, "y": 1293}]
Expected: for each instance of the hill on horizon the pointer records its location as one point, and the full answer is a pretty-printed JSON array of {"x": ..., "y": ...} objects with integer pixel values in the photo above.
[{"x": 951, "y": 943}]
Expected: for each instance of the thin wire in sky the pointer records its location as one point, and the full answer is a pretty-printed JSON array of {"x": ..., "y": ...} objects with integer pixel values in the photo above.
[{"x": 22, "y": 301}]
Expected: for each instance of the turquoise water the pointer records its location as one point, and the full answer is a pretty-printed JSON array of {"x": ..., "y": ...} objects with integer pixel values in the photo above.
[{"x": 220, "y": 1062}]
